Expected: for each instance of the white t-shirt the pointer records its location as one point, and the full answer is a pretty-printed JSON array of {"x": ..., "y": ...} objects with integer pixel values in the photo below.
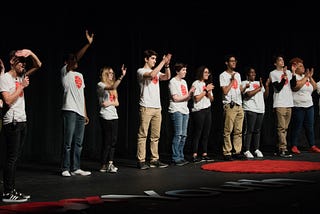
[
  {"x": 110, "y": 112},
  {"x": 180, "y": 88},
  {"x": 303, "y": 97},
  {"x": 73, "y": 91},
  {"x": 284, "y": 97},
  {"x": 17, "y": 109},
  {"x": 149, "y": 89},
  {"x": 318, "y": 91},
  {"x": 256, "y": 102},
  {"x": 205, "y": 101},
  {"x": 235, "y": 93}
]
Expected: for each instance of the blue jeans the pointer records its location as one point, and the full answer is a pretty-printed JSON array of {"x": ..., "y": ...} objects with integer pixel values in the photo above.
[
  {"x": 73, "y": 132},
  {"x": 180, "y": 126},
  {"x": 302, "y": 117}
]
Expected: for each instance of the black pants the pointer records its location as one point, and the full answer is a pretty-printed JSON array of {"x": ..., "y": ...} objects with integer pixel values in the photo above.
[
  {"x": 201, "y": 129},
  {"x": 109, "y": 129},
  {"x": 15, "y": 135}
]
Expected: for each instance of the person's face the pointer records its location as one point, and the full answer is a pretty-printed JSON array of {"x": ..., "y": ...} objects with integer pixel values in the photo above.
[
  {"x": 151, "y": 61},
  {"x": 279, "y": 62},
  {"x": 18, "y": 64},
  {"x": 251, "y": 75},
  {"x": 182, "y": 73},
  {"x": 110, "y": 74},
  {"x": 206, "y": 74},
  {"x": 232, "y": 63},
  {"x": 300, "y": 68}
]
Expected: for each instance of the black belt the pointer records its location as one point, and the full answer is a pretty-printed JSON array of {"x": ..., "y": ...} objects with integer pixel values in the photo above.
[{"x": 233, "y": 104}]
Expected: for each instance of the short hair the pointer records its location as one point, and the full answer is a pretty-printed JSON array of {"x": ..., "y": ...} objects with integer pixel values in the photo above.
[
  {"x": 148, "y": 53},
  {"x": 295, "y": 60},
  {"x": 276, "y": 57},
  {"x": 227, "y": 57},
  {"x": 179, "y": 65}
]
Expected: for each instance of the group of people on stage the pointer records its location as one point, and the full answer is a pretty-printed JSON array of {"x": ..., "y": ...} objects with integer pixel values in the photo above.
[{"x": 243, "y": 111}]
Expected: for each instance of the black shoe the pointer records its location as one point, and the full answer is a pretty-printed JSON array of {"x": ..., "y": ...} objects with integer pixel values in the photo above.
[
  {"x": 228, "y": 158},
  {"x": 142, "y": 165},
  {"x": 22, "y": 194},
  {"x": 206, "y": 158},
  {"x": 181, "y": 162},
  {"x": 195, "y": 159},
  {"x": 285, "y": 154},
  {"x": 13, "y": 196},
  {"x": 239, "y": 157},
  {"x": 158, "y": 164}
]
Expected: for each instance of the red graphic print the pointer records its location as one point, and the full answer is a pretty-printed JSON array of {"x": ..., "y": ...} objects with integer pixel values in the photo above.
[
  {"x": 308, "y": 83},
  {"x": 282, "y": 76},
  {"x": 112, "y": 97},
  {"x": 155, "y": 80},
  {"x": 17, "y": 85},
  {"x": 78, "y": 81},
  {"x": 183, "y": 90},
  {"x": 235, "y": 84},
  {"x": 255, "y": 86}
]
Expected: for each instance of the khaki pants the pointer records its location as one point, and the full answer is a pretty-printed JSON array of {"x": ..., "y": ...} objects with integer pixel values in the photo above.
[
  {"x": 233, "y": 122},
  {"x": 149, "y": 117},
  {"x": 283, "y": 117}
]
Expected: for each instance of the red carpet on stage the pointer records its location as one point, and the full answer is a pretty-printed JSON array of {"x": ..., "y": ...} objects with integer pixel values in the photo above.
[{"x": 262, "y": 166}]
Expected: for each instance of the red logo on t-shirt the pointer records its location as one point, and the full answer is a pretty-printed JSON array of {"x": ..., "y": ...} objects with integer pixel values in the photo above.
[
  {"x": 17, "y": 85},
  {"x": 235, "y": 84},
  {"x": 155, "y": 80},
  {"x": 78, "y": 81},
  {"x": 308, "y": 83},
  {"x": 112, "y": 97},
  {"x": 183, "y": 90},
  {"x": 255, "y": 86}
]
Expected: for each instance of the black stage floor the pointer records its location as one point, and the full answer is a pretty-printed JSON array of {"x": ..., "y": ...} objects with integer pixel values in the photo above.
[{"x": 45, "y": 184}]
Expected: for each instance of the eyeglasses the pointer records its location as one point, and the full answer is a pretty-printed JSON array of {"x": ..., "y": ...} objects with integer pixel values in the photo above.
[{"x": 233, "y": 61}]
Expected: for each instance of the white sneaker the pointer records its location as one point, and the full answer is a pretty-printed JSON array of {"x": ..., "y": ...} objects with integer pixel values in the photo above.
[
  {"x": 248, "y": 154},
  {"x": 112, "y": 168},
  {"x": 258, "y": 153},
  {"x": 80, "y": 172},
  {"x": 66, "y": 173}
]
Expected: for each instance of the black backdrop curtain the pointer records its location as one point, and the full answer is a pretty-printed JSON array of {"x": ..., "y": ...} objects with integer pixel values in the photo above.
[{"x": 195, "y": 33}]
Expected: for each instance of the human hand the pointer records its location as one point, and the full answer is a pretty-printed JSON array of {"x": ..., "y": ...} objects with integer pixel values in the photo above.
[
  {"x": 89, "y": 36},
  {"x": 210, "y": 87},
  {"x": 86, "y": 120},
  {"x": 310, "y": 72},
  {"x": 23, "y": 53},
  {"x": 124, "y": 70},
  {"x": 25, "y": 81}
]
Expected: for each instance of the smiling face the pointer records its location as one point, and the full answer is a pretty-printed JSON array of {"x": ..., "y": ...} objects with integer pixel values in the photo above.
[{"x": 251, "y": 75}]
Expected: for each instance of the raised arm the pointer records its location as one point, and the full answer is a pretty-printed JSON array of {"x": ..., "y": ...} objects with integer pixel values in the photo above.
[
  {"x": 2, "y": 68},
  {"x": 82, "y": 51},
  {"x": 36, "y": 63}
]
